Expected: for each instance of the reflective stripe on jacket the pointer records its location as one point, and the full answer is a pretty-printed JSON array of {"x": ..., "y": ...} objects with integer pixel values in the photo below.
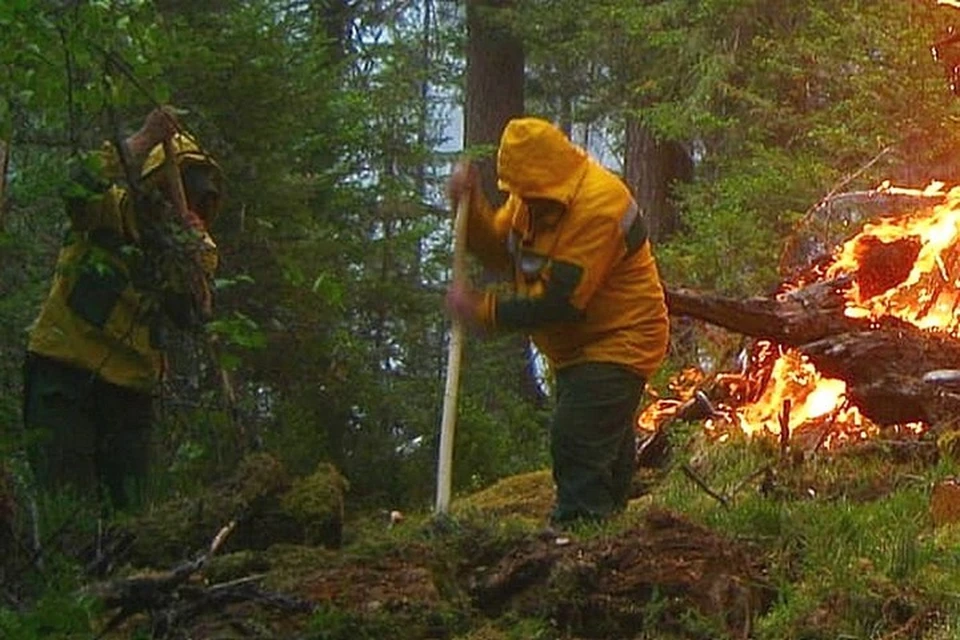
[{"x": 585, "y": 281}]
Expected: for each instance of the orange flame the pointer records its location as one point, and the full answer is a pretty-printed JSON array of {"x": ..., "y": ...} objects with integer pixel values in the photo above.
[
  {"x": 683, "y": 385},
  {"x": 926, "y": 295},
  {"x": 907, "y": 267}
]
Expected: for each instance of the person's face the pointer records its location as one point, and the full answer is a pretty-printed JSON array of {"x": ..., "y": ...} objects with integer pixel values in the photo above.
[
  {"x": 545, "y": 212},
  {"x": 203, "y": 198}
]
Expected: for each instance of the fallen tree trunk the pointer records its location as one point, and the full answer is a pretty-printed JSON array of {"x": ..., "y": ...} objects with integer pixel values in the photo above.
[
  {"x": 885, "y": 369},
  {"x": 883, "y": 366},
  {"x": 792, "y": 318}
]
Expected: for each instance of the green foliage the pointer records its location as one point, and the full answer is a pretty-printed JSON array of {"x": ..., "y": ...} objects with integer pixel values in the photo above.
[
  {"x": 55, "y": 615},
  {"x": 838, "y": 561},
  {"x": 335, "y": 624},
  {"x": 333, "y": 130},
  {"x": 239, "y": 330}
]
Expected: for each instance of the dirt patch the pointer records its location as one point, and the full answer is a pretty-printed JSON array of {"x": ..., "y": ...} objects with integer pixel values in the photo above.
[
  {"x": 438, "y": 583},
  {"x": 652, "y": 574},
  {"x": 388, "y": 584}
]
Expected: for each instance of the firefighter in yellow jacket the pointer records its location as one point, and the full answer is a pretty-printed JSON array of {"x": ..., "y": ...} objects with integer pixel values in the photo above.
[
  {"x": 130, "y": 269},
  {"x": 585, "y": 286}
]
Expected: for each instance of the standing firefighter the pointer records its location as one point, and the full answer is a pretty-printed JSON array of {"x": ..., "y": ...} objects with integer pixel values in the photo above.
[
  {"x": 131, "y": 266},
  {"x": 585, "y": 286}
]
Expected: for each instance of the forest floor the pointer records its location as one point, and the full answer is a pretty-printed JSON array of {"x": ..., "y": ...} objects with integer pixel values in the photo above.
[{"x": 727, "y": 540}]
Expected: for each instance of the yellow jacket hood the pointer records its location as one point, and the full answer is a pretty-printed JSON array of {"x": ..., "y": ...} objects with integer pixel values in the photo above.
[
  {"x": 537, "y": 160},
  {"x": 187, "y": 152}
]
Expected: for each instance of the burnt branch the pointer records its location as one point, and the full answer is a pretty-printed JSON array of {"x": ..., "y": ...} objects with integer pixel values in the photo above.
[{"x": 792, "y": 318}]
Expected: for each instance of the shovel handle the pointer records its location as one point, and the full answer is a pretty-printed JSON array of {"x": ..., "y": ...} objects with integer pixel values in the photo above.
[
  {"x": 449, "y": 419},
  {"x": 179, "y": 198}
]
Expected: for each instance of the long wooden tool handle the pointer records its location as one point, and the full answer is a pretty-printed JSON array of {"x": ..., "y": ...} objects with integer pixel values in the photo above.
[
  {"x": 179, "y": 197},
  {"x": 449, "y": 423}
]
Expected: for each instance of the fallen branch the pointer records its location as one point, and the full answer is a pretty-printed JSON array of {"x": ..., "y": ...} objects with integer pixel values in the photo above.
[
  {"x": 737, "y": 488},
  {"x": 700, "y": 482},
  {"x": 794, "y": 318},
  {"x": 151, "y": 592},
  {"x": 193, "y": 602}
]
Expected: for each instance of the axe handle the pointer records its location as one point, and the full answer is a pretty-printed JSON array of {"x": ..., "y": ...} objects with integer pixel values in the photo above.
[
  {"x": 449, "y": 418},
  {"x": 179, "y": 197}
]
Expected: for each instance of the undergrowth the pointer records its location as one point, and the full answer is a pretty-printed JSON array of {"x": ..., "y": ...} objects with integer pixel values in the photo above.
[{"x": 847, "y": 540}]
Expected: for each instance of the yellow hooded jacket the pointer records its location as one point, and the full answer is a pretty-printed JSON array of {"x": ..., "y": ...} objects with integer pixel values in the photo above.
[
  {"x": 585, "y": 281},
  {"x": 95, "y": 318}
]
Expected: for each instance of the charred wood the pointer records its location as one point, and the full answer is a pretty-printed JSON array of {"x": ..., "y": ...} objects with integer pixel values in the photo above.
[
  {"x": 883, "y": 363},
  {"x": 793, "y": 318},
  {"x": 885, "y": 372}
]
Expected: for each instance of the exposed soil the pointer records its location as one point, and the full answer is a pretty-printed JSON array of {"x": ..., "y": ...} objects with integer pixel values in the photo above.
[
  {"x": 489, "y": 566},
  {"x": 600, "y": 588},
  {"x": 597, "y": 587}
]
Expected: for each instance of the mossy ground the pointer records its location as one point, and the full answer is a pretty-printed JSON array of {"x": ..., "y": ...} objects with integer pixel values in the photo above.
[{"x": 802, "y": 547}]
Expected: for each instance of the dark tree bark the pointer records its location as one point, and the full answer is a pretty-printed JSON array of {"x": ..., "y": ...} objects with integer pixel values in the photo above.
[
  {"x": 333, "y": 17},
  {"x": 495, "y": 66},
  {"x": 792, "y": 319},
  {"x": 885, "y": 371},
  {"x": 651, "y": 169},
  {"x": 495, "y": 94},
  {"x": 4, "y": 159}
]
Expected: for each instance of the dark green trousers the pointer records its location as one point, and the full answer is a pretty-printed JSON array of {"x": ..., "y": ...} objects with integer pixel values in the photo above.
[
  {"x": 592, "y": 439},
  {"x": 85, "y": 435}
]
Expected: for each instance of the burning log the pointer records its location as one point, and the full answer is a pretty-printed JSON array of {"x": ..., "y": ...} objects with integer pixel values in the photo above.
[
  {"x": 886, "y": 371},
  {"x": 877, "y": 318},
  {"x": 883, "y": 366},
  {"x": 792, "y": 318}
]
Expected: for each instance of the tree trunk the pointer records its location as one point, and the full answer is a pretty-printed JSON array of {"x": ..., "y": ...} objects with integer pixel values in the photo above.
[
  {"x": 495, "y": 65},
  {"x": 651, "y": 169},
  {"x": 885, "y": 364},
  {"x": 4, "y": 161},
  {"x": 495, "y": 78}
]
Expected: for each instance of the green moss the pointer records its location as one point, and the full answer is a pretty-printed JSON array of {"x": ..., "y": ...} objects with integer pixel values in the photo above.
[
  {"x": 290, "y": 564},
  {"x": 176, "y": 530},
  {"x": 527, "y": 496},
  {"x": 316, "y": 503}
]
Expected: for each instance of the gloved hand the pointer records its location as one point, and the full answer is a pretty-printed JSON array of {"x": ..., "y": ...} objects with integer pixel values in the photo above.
[
  {"x": 159, "y": 125},
  {"x": 463, "y": 303}
]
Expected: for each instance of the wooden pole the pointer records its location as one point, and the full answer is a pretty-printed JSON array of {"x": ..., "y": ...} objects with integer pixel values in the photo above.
[
  {"x": 179, "y": 198},
  {"x": 449, "y": 423}
]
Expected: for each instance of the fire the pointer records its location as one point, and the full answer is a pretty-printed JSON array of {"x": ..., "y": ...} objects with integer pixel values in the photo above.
[
  {"x": 919, "y": 279},
  {"x": 683, "y": 386},
  {"x": 799, "y": 397},
  {"x": 905, "y": 267}
]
